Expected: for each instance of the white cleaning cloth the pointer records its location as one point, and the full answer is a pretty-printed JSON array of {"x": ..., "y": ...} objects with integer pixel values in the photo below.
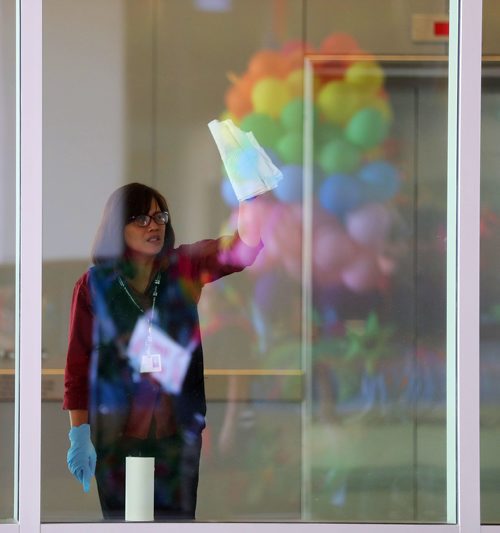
[{"x": 250, "y": 170}]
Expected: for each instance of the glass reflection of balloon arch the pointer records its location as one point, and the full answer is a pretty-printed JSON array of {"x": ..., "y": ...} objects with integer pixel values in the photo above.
[{"x": 355, "y": 183}]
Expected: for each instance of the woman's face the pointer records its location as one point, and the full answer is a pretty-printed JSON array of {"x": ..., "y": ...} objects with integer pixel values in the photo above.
[{"x": 145, "y": 242}]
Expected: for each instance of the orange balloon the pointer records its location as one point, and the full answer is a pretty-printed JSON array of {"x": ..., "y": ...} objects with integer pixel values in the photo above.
[
  {"x": 237, "y": 102},
  {"x": 239, "y": 96},
  {"x": 268, "y": 63},
  {"x": 295, "y": 59},
  {"x": 337, "y": 44}
]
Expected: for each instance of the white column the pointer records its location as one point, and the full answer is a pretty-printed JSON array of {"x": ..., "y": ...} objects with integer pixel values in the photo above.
[
  {"x": 464, "y": 131},
  {"x": 29, "y": 242}
]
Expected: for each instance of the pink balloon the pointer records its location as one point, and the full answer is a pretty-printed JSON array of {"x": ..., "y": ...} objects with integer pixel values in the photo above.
[
  {"x": 286, "y": 231},
  {"x": 369, "y": 225},
  {"x": 333, "y": 250},
  {"x": 362, "y": 274},
  {"x": 268, "y": 231}
]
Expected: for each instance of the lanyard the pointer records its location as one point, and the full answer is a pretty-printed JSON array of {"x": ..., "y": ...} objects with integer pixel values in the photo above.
[{"x": 150, "y": 314}]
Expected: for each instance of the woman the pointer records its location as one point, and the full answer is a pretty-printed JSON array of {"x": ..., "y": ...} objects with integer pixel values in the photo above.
[{"x": 134, "y": 374}]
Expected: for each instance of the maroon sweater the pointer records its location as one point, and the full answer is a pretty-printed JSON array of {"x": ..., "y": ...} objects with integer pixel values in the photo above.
[{"x": 189, "y": 267}]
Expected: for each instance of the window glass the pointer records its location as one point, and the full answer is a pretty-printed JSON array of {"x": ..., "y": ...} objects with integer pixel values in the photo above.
[
  {"x": 490, "y": 262},
  {"x": 324, "y": 361},
  {"x": 7, "y": 253}
]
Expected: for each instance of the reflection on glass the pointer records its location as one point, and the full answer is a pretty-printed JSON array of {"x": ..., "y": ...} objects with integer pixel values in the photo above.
[
  {"x": 490, "y": 263},
  {"x": 325, "y": 386},
  {"x": 7, "y": 253}
]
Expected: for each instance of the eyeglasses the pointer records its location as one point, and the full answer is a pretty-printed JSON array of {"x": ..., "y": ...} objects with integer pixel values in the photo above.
[{"x": 143, "y": 221}]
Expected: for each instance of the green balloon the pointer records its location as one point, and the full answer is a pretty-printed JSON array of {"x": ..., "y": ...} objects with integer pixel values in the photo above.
[
  {"x": 367, "y": 128},
  {"x": 325, "y": 132},
  {"x": 339, "y": 156},
  {"x": 266, "y": 129},
  {"x": 289, "y": 148},
  {"x": 292, "y": 116}
]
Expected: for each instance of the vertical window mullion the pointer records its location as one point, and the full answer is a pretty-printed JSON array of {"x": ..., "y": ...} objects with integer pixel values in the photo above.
[
  {"x": 464, "y": 170},
  {"x": 29, "y": 186}
]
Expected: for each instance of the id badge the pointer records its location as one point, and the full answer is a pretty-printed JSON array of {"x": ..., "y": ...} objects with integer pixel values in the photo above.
[{"x": 151, "y": 363}]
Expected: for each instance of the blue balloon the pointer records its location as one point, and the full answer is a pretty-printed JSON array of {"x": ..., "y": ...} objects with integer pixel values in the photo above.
[
  {"x": 228, "y": 194},
  {"x": 340, "y": 193},
  {"x": 381, "y": 180},
  {"x": 289, "y": 189},
  {"x": 273, "y": 156}
]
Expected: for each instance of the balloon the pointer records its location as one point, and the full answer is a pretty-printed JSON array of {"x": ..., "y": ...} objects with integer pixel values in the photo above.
[
  {"x": 367, "y": 128},
  {"x": 270, "y": 95},
  {"x": 289, "y": 189},
  {"x": 289, "y": 148},
  {"x": 337, "y": 44},
  {"x": 333, "y": 250},
  {"x": 381, "y": 180},
  {"x": 366, "y": 75},
  {"x": 340, "y": 43},
  {"x": 339, "y": 157},
  {"x": 381, "y": 104},
  {"x": 227, "y": 193},
  {"x": 340, "y": 193},
  {"x": 239, "y": 96},
  {"x": 267, "y": 130},
  {"x": 237, "y": 102},
  {"x": 295, "y": 81},
  {"x": 283, "y": 231},
  {"x": 292, "y": 116},
  {"x": 369, "y": 225},
  {"x": 362, "y": 274},
  {"x": 338, "y": 101},
  {"x": 268, "y": 228},
  {"x": 268, "y": 63},
  {"x": 325, "y": 132},
  {"x": 273, "y": 156}
]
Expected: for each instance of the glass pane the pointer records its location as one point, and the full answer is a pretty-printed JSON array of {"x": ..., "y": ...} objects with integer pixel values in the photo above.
[
  {"x": 7, "y": 252},
  {"x": 490, "y": 262},
  {"x": 324, "y": 361}
]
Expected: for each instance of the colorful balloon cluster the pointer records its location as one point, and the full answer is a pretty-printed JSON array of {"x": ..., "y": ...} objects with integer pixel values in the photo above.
[{"x": 354, "y": 182}]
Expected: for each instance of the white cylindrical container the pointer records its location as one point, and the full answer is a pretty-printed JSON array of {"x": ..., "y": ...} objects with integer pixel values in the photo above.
[{"x": 139, "y": 489}]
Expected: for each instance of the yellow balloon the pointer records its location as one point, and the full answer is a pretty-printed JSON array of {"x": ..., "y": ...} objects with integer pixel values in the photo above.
[
  {"x": 295, "y": 81},
  {"x": 339, "y": 101},
  {"x": 366, "y": 75},
  {"x": 270, "y": 95}
]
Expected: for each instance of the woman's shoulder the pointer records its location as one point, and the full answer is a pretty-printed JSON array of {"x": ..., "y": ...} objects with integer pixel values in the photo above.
[{"x": 94, "y": 276}]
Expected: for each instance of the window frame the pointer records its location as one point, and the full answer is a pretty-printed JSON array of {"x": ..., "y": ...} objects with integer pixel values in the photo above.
[{"x": 463, "y": 288}]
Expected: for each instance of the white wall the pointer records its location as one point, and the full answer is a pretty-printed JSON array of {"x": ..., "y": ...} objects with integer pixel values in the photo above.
[
  {"x": 7, "y": 130},
  {"x": 84, "y": 119}
]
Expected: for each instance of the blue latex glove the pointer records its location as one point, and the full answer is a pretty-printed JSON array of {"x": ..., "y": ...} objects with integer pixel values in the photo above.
[{"x": 81, "y": 455}]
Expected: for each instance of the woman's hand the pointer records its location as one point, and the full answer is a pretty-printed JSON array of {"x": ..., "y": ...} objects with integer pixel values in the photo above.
[
  {"x": 81, "y": 456},
  {"x": 250, "y": 221}
]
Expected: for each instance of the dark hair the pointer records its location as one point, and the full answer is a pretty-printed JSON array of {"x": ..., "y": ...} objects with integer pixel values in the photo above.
[{"x": 130, "y": 200}]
